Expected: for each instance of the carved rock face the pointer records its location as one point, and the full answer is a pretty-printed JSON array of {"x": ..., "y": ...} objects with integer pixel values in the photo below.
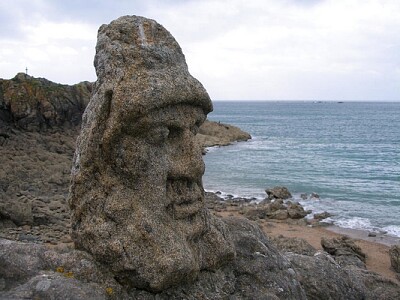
[{"x": 137, "y": 198}]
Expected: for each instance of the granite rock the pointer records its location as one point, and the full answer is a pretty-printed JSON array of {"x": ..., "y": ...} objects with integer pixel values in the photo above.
[
  {"x": 38, "y": 104},
  {"x": 278, "y": 192},
  {"x": 345, "y": 251},
  {"x": 322, "y": 277},
  {"x": 394, "y": 253},
  {"x": 137, "y": 198}
]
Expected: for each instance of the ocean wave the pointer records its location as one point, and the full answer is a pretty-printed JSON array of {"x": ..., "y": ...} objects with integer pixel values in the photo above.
[
  {"x": 392, "y": 230},
  {"x": 355, "y": 223}
]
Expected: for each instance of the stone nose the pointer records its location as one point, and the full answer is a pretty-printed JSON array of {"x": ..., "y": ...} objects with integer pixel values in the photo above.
[{"x": 185, "y": 157}]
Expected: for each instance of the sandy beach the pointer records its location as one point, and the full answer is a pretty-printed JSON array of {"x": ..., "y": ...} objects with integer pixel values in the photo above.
[{"x": 376, "y": 248}]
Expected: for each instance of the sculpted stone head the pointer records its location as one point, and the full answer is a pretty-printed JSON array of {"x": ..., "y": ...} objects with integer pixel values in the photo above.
[{"x": 136, "y": 197}]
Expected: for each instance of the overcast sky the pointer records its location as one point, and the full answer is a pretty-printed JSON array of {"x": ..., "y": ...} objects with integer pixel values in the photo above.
[{"x": 238, "y": 49}]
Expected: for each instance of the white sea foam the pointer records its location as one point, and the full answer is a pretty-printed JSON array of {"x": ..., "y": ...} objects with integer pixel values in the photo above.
[
  {"x": 392, "y": 230},
  {"x": 355, "y": 223}
]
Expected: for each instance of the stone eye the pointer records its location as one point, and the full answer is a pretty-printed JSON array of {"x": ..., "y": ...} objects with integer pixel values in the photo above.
[
  {"x": 174, "y": 132},
  {"x": 157, "y": 135}
]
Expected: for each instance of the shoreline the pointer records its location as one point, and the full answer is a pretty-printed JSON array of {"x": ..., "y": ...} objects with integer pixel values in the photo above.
[
  {"x": 380, "y": 236},
  {"x": 376, "y": 248},
  {"x": 360, "y": 234}
]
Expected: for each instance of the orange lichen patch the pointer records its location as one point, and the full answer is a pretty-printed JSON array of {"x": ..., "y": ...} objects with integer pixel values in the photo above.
[
  {"x": 60, "y": 269},
  {"x": 109, "y": 291},
  {"x": 69, "y": 275}
]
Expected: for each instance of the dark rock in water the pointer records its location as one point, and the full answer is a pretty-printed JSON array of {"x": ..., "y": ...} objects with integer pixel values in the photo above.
[
  {"x": 304, "y": 196},
  {"x": 314, "y": 196},
  {"x": 394, "y": 253},
  {"x": 345, "y": 251},
  {"x": 278, "y": 192},
  {"x": 322, "y": 216}
]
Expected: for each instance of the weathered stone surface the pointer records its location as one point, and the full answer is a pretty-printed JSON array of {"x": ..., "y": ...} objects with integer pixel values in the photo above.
[
  {"x": 137, "y": 197},
  {"x": 36, "y": 103},
  {"x": 345, "y": 251},
  {"x": 276, "y": 209},
  {"x": 278, "y": 192},
  {"x": 322, "y": 216},
  {"x": 394, "y": 253},
  {"x": 31, "y": 271},
  {"x": 259, "y": 271},
  {"x": 295, "y": 245},
  {"x": 218, "y": 134},
  {"x": 323, "y": 278}
]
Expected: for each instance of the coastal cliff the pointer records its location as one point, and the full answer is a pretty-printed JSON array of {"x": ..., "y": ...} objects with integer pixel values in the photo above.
[
  {"x": 39, "y": 123},
  {"x": 217, "y": 134},
  {"x": 36, "y": 104},
  {"x": 137, "y": 225},
  {"x": 35, "y": 229}
]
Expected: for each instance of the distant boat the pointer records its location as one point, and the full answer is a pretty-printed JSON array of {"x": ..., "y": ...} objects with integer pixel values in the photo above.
[{"x": 340, "y": 102}]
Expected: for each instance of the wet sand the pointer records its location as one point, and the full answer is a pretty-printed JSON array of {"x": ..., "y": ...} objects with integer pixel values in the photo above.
[{"x": 376, "y": 248}]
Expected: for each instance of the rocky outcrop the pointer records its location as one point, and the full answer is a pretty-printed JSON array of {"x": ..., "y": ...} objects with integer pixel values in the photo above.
[
  {"x": 217, "y": 134},
  {"x": 345, "y": 251},
  {"x": 322, "y": 277},
  {"x": 35, "y": 104},
  {"x": 30, "y": 271},
  {"x": 394, "y": 253},
  {"x": 278, "y": 210},
  {"x": 278, "y": 192},
  {"x": 139, "y": 216},
  {"x": 295, "y": 245}
]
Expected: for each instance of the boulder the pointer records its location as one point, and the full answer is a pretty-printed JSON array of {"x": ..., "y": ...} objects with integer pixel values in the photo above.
[
  {"x": 322, "y": 216},
  {"x": 278, "y": 192},
  {"x": 275, "y": 209},
  {"x": 259, "y": 271},
  {"x": 20, "y": 213},
  {"x": 295, "y": 245},
  {"x": 314, "y": 196},
  {"x": 322, "y": 277},
  {"x": 32, "y": 271},
  {"x": 394, "y": 253},
  {"x": 137, "y": 198},
  {"x": 296, "y": 211},
  {"x": 345, "y": 251}
]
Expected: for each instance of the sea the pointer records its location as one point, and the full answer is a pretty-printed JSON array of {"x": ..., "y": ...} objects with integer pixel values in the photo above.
[{"x": 346, "y": 152}]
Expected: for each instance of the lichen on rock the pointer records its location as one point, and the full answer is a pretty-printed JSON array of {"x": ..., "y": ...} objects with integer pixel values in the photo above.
[{"x": 137, "y": 196}]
